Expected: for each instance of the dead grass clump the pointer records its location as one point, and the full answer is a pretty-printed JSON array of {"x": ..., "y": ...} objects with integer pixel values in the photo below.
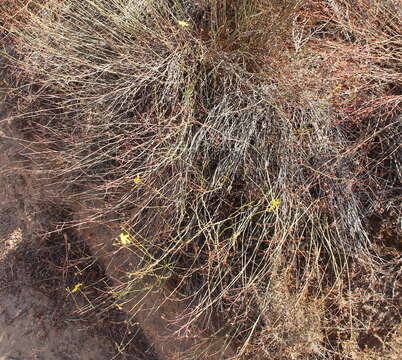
[{"x": 242, "y": 146}]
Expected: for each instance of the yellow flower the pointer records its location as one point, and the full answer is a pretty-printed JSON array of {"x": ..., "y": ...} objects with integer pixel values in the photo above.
[
  {"x": 75, "y": 288},
  {"x": 136, "y": 180},
  {"x": 124, "y": 239},
  {"x": 183, "y": 23},
  {"x": 273, "y": 205}
]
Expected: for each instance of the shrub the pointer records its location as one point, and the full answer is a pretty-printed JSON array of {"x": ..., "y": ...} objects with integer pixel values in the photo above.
[{"x": 237, "y": 141}]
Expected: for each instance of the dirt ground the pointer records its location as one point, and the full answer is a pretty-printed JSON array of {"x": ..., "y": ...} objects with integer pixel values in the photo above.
[
  {"x": 31, "y": 325},
  {"x": 40, "y": 318}
]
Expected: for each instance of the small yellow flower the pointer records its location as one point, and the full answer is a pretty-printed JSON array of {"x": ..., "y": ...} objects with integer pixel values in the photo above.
[
  {"x": 183, "y": 23},
  {"x": 75, "y": 288},
  {"x": 273, "y": 205},
  {"x": 124, "y": 239},
  {"x": 136, "y": 180}
]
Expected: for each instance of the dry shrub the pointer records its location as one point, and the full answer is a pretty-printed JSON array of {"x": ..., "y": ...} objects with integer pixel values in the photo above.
[
  {"x": 245, "y": 146},
  {"x": 293, "y": 322}
]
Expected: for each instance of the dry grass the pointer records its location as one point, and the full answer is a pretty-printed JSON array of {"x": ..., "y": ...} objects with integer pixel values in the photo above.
[{"x": 217, "y": 118}]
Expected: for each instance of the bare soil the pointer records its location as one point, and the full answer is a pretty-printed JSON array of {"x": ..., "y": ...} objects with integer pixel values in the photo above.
[
  {"x": 32, "y": 324},
  {"x": 40, "y": 318}
]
